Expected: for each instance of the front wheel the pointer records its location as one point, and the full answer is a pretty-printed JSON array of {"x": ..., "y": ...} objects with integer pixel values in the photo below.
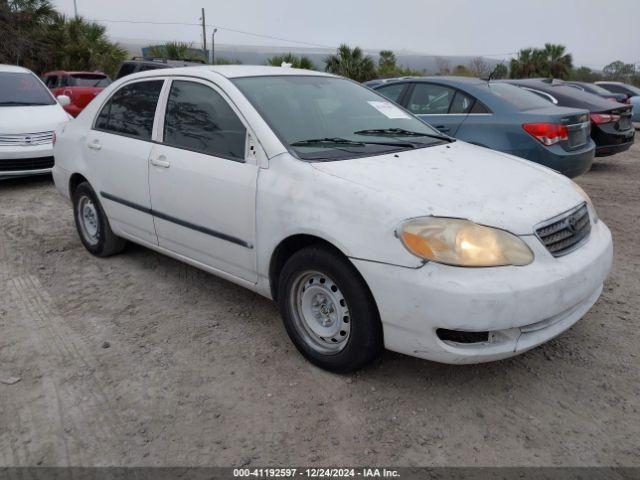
[
  {"x": 92, "y": 223},
  {"x": 328, "y": 310}
]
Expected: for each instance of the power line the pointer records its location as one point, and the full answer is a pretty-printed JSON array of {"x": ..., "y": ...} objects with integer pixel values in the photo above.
[{"x": 234, "y": 30}]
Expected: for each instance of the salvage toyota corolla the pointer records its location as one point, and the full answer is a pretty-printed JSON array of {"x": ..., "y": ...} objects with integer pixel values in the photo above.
[{"x": 368, "y": 228}]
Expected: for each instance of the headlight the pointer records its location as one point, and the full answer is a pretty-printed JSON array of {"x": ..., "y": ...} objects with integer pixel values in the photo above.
[
  {"x": 463, "y": 243},
  {"x": 583, "y": 194}
]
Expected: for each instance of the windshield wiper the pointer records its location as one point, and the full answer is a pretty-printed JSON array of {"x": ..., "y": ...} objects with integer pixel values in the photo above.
[
  {"x": 332, "y": 141},
  {"x": 400, "y": 132}
]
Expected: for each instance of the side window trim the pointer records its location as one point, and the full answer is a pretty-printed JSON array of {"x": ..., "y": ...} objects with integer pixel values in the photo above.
[
  {"x": 108, "y": 99},
  {"x": 164, "y": 100}
]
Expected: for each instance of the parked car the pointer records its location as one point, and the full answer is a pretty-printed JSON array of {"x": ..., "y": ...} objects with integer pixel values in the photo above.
[
  {"x": 142, "y": 64},
  {"x": 499, "y": 116},
  {"x": 361, "y": 221},
  {"x": 598, "y": 90},
  {"x": 631, "y": 91},
  {"x": 29, "y": 115},
  {"x": 80, "y": 87},
  {"x": 611, "y": 125}
]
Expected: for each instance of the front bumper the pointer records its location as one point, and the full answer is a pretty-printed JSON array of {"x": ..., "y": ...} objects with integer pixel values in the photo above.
[
  {"x": 10, "y": 155},
  {"x": 521, "y": 307}
]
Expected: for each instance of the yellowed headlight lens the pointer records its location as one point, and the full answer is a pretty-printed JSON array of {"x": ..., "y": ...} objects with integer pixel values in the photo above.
[{"x": 463, "y": 243}]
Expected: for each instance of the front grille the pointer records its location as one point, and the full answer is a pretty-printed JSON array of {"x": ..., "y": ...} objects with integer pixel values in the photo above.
[
  {"x": 17, "y": 164},
  {"x": 564, "y": 233},
  {"x": 25, "y": 139}
]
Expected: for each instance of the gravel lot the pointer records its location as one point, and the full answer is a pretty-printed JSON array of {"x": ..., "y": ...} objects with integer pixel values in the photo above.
[{"x": 142, "y": 360}]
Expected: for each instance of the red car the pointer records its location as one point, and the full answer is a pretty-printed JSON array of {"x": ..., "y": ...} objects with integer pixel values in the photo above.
[{"x": 80, "y": 87}]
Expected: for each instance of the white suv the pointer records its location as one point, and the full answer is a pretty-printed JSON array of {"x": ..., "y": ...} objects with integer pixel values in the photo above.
[
  {"x": 368, "y": 227},
  {"x": 29, "y": 115}
]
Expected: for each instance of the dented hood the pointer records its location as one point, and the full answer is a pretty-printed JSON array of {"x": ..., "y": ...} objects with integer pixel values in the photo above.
[{"x": 463, "y": 181}]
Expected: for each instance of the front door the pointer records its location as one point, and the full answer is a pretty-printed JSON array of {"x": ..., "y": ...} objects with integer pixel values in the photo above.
[
  {"x": 203, "y": 186},
  {"x": 442, "y": 107}
]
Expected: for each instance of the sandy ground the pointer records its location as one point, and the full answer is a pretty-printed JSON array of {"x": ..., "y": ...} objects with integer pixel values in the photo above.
[{"x": 142, "y": 360}]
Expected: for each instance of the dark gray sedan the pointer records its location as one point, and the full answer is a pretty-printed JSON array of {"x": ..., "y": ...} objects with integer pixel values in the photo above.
[{"x": 498, "y": 116}]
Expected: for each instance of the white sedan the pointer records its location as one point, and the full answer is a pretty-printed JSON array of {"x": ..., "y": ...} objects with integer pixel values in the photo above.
[
  {"x": 29, "y": 114},
  {"x": 369, "y": 228}
]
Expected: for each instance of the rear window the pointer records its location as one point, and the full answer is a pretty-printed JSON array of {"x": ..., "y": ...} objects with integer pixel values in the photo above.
[
  {"x": 23, "y": 89},
  {"x": 518, "y": 97},
  {"x": 87, "y": 80}
]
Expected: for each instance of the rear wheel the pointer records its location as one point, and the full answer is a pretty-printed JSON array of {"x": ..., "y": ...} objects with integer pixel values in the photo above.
[
  {"x": 328, "y": 310},
  {"x": 92, "y": 223}
]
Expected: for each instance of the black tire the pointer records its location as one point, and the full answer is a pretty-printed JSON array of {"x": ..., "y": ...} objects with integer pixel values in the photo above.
[
  {"x": 365, "y": 341},
  {"x": 105, "y": 243}
]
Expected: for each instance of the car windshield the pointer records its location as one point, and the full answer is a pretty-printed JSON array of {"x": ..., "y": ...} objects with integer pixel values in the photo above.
[
  {"x": 518, "y": 97},
  {"x": 88, "y": 80},
  {"x": 328, "y": 118},
  {"x": 19, "y": 89}
]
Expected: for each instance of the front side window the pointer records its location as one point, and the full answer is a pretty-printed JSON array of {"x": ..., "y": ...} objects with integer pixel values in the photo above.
[
  {"x": 430, "y": 99},
  {"x": 131, "y": 110},
  {"x": 199, "y": 119},
  {"x": 392, "y": 92},
  {"x": 327, "y": 118},
  {"x": 23, "y": 89}
]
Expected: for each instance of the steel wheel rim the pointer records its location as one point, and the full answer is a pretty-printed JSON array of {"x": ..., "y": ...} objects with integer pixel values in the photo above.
[
  {"x": 320, "y": 312},
  {"x": 88, "y": 220}
]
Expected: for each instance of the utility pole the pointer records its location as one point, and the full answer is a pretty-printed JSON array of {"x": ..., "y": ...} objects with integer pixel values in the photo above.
[
  {"x": 204, "y": 36},
  {"x": 75, "y": 8},
  {"x": 213, "y": 46}
]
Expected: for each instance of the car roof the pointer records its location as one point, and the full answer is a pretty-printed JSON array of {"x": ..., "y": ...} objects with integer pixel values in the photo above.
[
  {"x": 448, "y": 79},
  {"x": 230, "y": 71},
  {"x": 13, "y": 69},
  {"x": 566, "y": 95},
  {"x": 79, "y": 72}
]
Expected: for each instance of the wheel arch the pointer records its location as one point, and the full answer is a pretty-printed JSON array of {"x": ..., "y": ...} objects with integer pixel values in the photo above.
[{"x": 75, "y": 180}]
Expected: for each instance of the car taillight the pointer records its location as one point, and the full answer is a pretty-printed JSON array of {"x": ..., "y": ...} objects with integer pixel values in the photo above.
[
  {"x": 600, "y": 118},
  {"x": 547, "y": 133}
]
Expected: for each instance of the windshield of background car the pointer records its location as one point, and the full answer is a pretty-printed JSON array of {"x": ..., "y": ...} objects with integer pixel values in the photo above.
[
  {"x": 521, "y": 99},
  {"x": 23, "y": 89},
  {"x": 327, "y": 118},
  {"x": 88, "y": 80}
]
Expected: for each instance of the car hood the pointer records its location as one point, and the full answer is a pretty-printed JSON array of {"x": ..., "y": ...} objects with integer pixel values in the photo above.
[
  {"x": 462, "y": 181},
  {"x": 31, "y": 119}
]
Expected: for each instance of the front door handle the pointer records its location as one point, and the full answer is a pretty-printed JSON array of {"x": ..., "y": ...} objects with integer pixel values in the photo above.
[
  {"x": 161, "y": 162},
  {"x": 94, "y": 145}
]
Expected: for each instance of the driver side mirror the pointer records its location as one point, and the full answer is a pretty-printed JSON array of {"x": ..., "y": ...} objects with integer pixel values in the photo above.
[{"x": 63, "y": 100}]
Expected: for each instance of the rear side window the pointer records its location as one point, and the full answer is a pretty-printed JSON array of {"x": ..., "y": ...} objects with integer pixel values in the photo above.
[
  {"x": 392, "y": 92},
  {"x": 430, "y": 99},
  {"x": 462, "y": 103},
  {"x": 199, "y": 119},
  {"x": 131, "y": 110}
]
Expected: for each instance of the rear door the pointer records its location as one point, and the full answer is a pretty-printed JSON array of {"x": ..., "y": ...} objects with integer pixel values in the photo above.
[
  {"x": 117, "y": 150},
  {"x": 442, "y": 107},
  {"x": 202, "y": 181}
]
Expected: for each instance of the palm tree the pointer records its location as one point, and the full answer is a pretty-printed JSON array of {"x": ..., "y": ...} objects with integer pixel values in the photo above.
[
  {"x": 528, "y": 64},
  {"x": 171, "y": 50},
  {"x": 351, "y": 63},
  {"x": 294, "y": 61},
  {"x": 558, "y": 62}
]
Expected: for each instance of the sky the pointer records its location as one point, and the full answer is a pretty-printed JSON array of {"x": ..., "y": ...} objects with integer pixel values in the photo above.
[{"x": 595, "y": 32}]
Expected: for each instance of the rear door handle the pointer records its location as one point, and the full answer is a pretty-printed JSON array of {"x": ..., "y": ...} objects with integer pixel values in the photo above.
[
  {"x": 94, "y": 145},
  {"x": 161, "y": 162}
]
